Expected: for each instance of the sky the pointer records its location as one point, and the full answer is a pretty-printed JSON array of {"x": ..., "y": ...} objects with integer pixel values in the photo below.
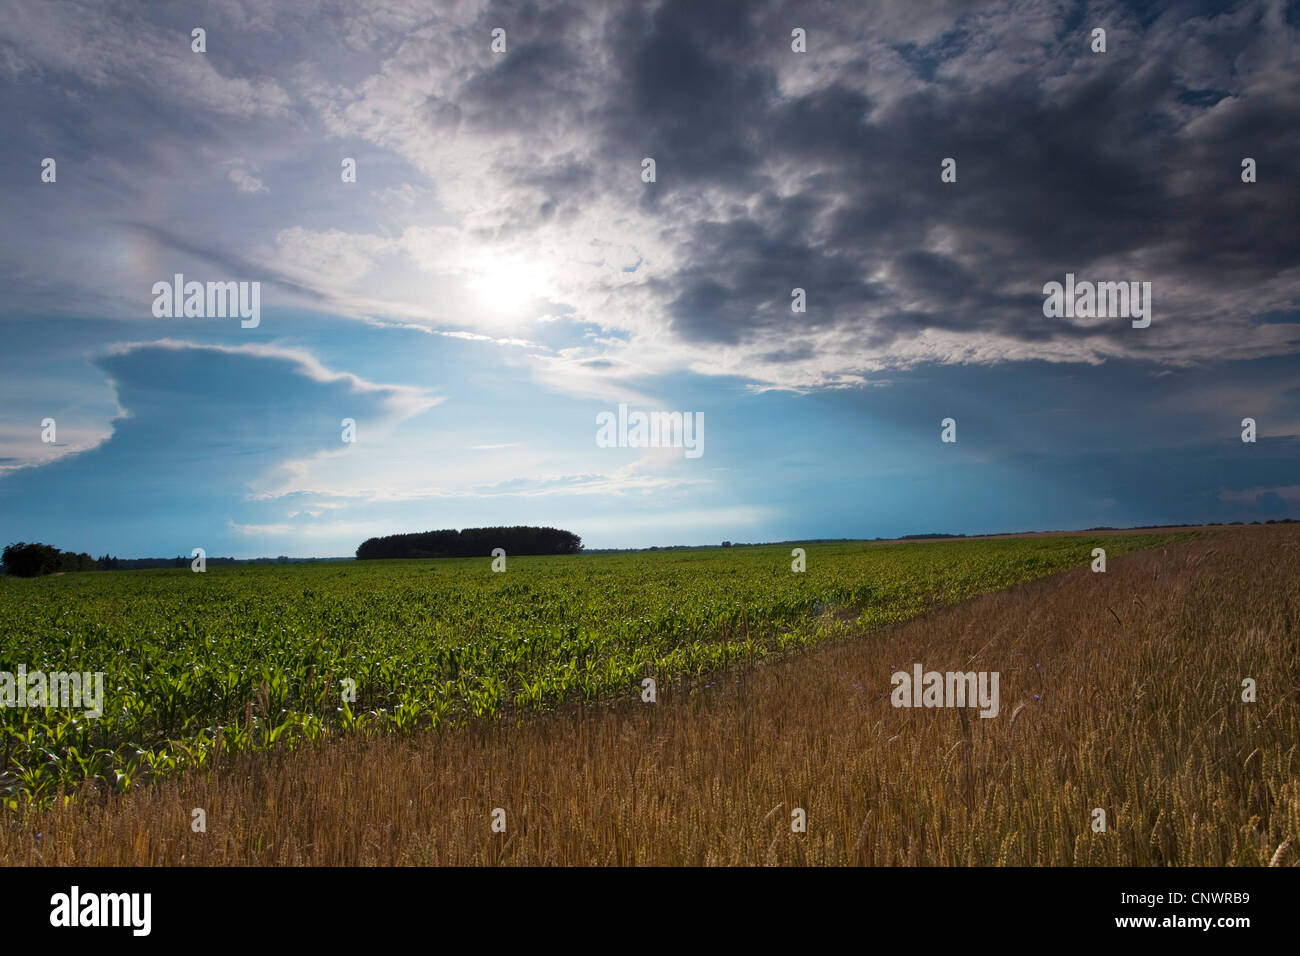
[{"x": 504, "y": 267}]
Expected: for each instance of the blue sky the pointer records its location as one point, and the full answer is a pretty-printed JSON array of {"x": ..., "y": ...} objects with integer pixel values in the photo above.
[{"x": 499, "y": 273}]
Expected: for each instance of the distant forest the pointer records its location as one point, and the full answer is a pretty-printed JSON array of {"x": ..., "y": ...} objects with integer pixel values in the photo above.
[
  {"x": 471, "y": 543},
  {"x": 23, "y": 560},
  {"x": 27, "y": 560}
]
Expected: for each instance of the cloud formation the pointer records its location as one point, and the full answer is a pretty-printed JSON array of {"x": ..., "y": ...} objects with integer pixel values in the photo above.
[{"x": 497, "y": 188}]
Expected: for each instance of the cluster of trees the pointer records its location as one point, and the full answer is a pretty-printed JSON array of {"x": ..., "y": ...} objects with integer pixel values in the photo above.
[
  {"x": 25, "y": 560},
  {"x": 471, "y": 543}
]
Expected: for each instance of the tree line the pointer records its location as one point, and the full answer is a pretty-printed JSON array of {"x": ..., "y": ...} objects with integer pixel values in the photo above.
[
  {"x": 30, "y": 560},
  {"x": 25, "y": 560},
  {"x": 471, "y": 543}
]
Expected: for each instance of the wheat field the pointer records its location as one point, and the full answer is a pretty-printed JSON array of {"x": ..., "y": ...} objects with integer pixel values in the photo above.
[{"x": 1120, "y": 691}]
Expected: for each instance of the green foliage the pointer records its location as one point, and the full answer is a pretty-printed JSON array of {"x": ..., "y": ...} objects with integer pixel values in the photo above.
[
  {"x": 197, "y": 665},
  {"x": 31, "y": 560},
  {"x": 471, "y": 543}
]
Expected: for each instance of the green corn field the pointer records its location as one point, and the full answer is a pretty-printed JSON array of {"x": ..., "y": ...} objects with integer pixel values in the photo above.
[{"x": 201, "y": 666}]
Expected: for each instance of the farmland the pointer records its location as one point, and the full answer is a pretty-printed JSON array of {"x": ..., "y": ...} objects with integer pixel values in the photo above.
[
  {"x": 201, "y": 667},
  {"x": 1122, "y": 692}
]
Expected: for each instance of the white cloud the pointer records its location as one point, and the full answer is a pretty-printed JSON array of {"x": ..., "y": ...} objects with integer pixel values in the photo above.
[
  {"x": 245, "y": 181},
  {"x": 22, "y": 447}
]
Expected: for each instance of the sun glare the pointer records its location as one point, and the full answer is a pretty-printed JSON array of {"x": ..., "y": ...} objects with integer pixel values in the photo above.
[{"x": 507, "y": 286}]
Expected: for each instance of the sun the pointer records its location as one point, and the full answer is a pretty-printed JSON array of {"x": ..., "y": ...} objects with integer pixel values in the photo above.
[{"x": 508, "y": 285}]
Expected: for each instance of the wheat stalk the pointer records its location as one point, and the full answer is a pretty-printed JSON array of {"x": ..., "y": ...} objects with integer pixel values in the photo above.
[{"x": 1281, "y": 852}]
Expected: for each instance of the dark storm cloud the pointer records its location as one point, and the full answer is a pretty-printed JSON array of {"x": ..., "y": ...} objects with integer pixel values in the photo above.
[{"x": 1072, "y": 159}]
